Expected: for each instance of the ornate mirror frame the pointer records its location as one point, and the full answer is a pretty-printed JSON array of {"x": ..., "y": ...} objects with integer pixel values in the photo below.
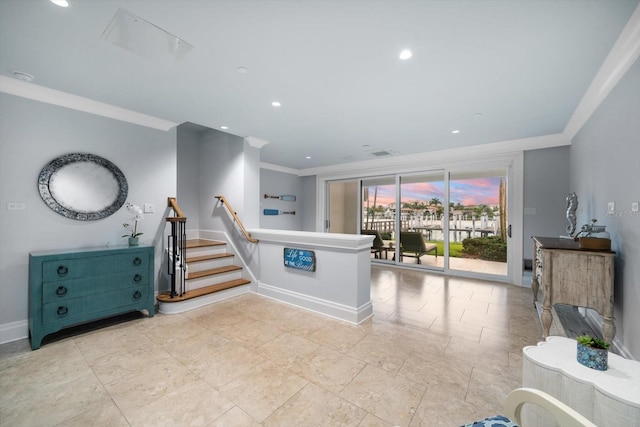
[{"x": 102, "y": 168}]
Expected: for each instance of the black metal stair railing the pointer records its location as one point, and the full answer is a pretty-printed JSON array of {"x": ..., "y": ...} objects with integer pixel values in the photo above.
[{"x": 177, "y": 250}]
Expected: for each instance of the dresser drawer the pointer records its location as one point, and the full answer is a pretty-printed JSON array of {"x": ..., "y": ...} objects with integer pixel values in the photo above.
[
  {"x": 68, "y": 310},
  {"x": 66, "y": 269},
  {"x": 70, "y": 289}
]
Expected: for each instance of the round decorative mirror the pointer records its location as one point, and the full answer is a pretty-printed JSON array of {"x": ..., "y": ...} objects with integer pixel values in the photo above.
[{"x": 82, "y": 186}]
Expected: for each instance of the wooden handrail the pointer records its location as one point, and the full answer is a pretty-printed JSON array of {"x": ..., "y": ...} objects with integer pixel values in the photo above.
[
  {"x": 172, "y": 202},
  {"x": 236, "y": 219}
]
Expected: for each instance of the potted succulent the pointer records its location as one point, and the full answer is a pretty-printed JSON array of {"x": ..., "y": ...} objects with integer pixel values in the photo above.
[
  {"x": 132, "y": 231},
  {"x": 593, "y": 352}
]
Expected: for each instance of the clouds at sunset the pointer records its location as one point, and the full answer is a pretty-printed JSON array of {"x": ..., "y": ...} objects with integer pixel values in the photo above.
[{"x": 467, "y": 192}]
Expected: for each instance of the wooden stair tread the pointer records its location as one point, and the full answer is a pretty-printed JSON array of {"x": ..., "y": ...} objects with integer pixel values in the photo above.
[
  {"x": 212, "y": 271},
  {"x": 206, "y": 290},
  {"x": 208, "y": 257},
  {"x": 200, "y": 243}
]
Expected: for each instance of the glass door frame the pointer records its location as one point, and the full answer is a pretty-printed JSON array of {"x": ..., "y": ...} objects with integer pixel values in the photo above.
[{"x": 512, "y": 162}]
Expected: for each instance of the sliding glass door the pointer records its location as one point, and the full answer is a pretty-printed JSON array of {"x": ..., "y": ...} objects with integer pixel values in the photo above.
[
  {"x": 478, "y": 221},
  {"x": 422, "y": 213},
  {"x": 451, "y": 220},
  {"x": 378, "y": 214}
]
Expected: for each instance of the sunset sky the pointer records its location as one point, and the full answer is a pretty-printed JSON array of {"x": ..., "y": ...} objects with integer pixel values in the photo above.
[{"x": 467, "y": 192}]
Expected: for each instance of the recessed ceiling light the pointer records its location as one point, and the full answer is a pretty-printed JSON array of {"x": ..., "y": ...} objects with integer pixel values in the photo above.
[
  {"x": 224, "y": 127},
  {"x": 61, "y": 3},
  {"x": 477, "y": 115},
  {"x": 242, "y": 70},
  {"x": 455, "y": 131},
  {"x": 405, "y": 54},
  {"x": 308, "y": 157},
  {"x": 276, "y": 104}
]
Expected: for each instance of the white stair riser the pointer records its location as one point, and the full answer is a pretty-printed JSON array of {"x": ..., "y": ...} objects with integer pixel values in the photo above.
[
  {"x": 209, "y": 264},
  {"x": 213, "y": 280},
  {"x": 206, "y": 250}
]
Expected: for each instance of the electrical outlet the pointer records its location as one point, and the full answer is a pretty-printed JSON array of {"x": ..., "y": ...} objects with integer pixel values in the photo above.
[
  {"x": 611, "y": 207},
  {"x": 634, "y": 207},
  {"x": 16, "y": 206},
  {"x": 149, "y": 208}
]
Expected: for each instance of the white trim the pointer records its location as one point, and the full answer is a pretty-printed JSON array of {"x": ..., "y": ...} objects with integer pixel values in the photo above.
[
  {"x": 256, "y": 142},
  {"x": 74, "y": 102},
  {"x": 14, "y": 331},
  {"x": 341, "y": 242},
  {"x": 278, "y": 168},
  {"x": 327, "y": 308},
  {"x": 390, "y": 165},
  {"x": 191, "y": 304},
  {"x": 594, "y": 321},
  {"x": 622, "y": 56}
]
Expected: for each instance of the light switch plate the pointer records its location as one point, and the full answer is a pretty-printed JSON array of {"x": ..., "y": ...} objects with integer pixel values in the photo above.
[
  {"x": 634, "y": 207},
  {"x": 611, "y": 206},
  {"x": 149, "y": 208}
]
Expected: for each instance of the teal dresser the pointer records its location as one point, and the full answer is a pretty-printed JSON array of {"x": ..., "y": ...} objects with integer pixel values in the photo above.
[{"x": 70, "y": 287}]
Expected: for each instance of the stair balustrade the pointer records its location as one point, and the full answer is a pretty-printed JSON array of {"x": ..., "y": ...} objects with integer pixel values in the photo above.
[{"x": 177, "y": 249}]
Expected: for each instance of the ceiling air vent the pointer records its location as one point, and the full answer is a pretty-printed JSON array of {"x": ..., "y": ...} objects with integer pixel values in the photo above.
[{"x": 380, "y": 153}]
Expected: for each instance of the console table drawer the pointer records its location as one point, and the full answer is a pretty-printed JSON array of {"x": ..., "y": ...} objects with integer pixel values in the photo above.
[
  {"x": 66, "y": 269},
  {"x": 75, "y": 308},
  {"x": 69, "y": 289}
]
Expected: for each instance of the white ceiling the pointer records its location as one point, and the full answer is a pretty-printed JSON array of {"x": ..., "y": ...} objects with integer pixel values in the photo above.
[{"x": 523, "y": 65}]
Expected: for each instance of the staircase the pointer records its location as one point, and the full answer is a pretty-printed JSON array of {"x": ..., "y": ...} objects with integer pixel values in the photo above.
[{"x": 211, "y": 276}]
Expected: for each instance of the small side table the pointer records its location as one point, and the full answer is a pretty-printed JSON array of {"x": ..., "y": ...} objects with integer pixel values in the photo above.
[{"x": 606, "y": 398}]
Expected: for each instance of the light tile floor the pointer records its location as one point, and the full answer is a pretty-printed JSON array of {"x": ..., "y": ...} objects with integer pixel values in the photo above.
[{"x": 439, "y": 351}]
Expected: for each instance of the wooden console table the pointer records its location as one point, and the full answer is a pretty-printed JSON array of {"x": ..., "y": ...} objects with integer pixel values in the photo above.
[
  {"x": 570, "y": 275},
  {"x": 606, "y": 398}
]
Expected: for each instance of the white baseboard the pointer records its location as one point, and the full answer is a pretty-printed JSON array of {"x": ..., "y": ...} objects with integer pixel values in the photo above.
[
  {"x": 594, "y": 320},
  {"x": 191, "y": 304},
  {"x": 14, "y": 331},
  {"x": 327, "y": 308}
]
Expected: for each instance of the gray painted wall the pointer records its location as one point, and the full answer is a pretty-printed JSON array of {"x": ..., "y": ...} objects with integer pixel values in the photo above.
[
  {"x": 221, "y": 170},
  {"x": 275, "y": 183},
  {"x": 308, "y": 203},
  {"x": 546, "y": 186},
  {"x": 188, "y": 159},
  {"x": 34, "y": 133},
  {"x": 604, "y": 168}
]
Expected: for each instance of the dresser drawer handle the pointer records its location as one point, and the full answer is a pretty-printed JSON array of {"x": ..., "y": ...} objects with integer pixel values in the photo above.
[
  {"x": 61, "y": 291},
  {"x": 137, "y": 278},
  {"x": 137, "y": 295},
  {"x": 62, "y": 270},
  {"x": 137, "y": 261},
  {"x": 62, "y": 311}
]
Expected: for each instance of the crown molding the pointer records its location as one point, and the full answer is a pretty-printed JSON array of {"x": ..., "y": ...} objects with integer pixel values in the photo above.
[
  {"x": 278, "y": 168},
  {"x": 256, "y": 142},
  {"x": 623, "y": 55},
  {"x": 419, "y": 160},
  {"x": 63, "y": 99}
]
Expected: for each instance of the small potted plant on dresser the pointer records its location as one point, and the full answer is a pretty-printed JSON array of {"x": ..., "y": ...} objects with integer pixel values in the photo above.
[{"x": 593, "y": 352}]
